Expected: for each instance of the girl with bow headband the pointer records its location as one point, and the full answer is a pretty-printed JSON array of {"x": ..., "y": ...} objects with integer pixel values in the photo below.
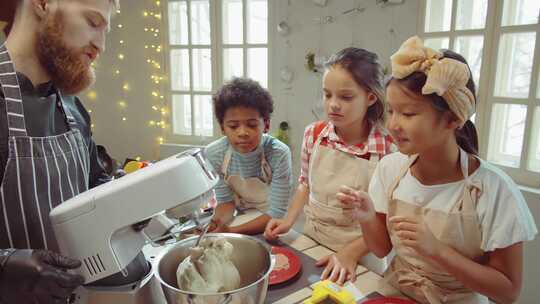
[{"x": 456, "y": 222}]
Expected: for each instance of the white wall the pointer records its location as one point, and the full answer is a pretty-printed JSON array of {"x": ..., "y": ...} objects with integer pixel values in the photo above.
[
  {"x": 370, "y": 29},
  {"x": 132, "y": 137}
]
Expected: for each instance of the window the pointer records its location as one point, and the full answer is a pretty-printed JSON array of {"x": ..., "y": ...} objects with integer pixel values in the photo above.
[
  {"x": 245, "y": 40},
  {"x": 211, "y": 41},
  {"x": 499, "y": 39}
]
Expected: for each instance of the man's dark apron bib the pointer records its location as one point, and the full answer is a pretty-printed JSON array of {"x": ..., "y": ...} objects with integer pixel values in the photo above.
[{"x": 40, "y": 173}]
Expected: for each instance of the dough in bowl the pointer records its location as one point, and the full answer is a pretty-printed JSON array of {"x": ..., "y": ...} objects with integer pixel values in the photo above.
[{"x": 209, "y": 268}]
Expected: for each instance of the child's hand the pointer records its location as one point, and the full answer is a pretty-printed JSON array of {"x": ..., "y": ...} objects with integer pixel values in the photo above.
[
  {"x": 218, "y": 226},
  {"x": 340, "y": 267},
  {"x": 417, "y": 236},
  {"x": 359, "y": 201},
  {"x": 275, "y": 227}
]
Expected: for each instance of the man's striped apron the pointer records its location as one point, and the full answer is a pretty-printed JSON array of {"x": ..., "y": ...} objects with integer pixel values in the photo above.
[{"x": 40, "y": 173}]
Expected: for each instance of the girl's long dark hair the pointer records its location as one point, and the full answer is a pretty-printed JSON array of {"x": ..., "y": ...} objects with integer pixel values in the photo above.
[{"x": 367, "y": 72}]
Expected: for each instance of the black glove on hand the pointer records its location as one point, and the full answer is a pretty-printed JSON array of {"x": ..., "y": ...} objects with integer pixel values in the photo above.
[{"x": 38, "y": 276}]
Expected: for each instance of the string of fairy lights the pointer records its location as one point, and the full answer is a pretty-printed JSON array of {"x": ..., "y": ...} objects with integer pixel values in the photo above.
[
  {"x": 154, "y": 57},
  {"x": 122, "y": 103},
  {"x": 153, "y": 54}
]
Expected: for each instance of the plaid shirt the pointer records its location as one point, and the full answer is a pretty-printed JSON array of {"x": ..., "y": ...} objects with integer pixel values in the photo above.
[{"x": 378, "y": 141}]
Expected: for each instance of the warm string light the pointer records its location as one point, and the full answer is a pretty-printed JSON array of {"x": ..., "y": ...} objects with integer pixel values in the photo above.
[
  {"x": 126, "y": 87},
  {"x": 155, "y": 49},
  {"x": 92, "y": 95},
  {"x": 153, "y": 18}
]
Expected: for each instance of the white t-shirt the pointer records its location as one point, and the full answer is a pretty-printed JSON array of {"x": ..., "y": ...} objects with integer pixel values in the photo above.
[{"x": 504, "y": 216}]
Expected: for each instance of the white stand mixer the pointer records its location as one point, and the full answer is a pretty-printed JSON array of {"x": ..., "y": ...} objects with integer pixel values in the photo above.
[{"x": 97, "y": 226}]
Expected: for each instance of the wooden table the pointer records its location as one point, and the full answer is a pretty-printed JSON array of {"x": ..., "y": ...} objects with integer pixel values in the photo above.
[{"x": 366, "y": 280}]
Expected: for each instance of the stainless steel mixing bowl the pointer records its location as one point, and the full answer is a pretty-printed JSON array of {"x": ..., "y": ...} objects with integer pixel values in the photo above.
[{"x": 251, "y": 256}]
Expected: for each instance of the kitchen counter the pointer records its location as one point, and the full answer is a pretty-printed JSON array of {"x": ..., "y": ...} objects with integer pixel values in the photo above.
[{"x": 366, "y": 283}]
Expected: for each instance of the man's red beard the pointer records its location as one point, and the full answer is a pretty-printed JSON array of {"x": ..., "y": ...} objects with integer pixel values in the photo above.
[{"x": 65, "y": 66}]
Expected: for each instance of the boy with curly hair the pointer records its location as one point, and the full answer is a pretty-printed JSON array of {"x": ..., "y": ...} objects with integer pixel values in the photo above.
[{"x": 254, "y": 167}]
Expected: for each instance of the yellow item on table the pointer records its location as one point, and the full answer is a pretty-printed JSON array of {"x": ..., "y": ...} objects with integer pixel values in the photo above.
[
  {"x": 133, "y": 166},
  {"x": 327, "y": 292}
]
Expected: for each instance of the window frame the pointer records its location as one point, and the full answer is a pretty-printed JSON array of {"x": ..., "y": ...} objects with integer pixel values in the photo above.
[
  {"x": 486, "y": 98},
  {"x": 216, "y": 48}
]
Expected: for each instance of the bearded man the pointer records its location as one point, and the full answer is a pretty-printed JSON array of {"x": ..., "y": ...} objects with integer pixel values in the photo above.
[{"x": 47, "y": 154}]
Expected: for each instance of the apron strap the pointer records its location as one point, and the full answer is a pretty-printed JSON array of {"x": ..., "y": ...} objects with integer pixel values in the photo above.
[
  {"x": 266, "y": 170},
  {"x": 373, "y": 161},
  {"x": 226, "y": 162},
  {"x": 315, "y": 150},
  {"x": 464, "y": 164},
  {"x": 401, "y": 174},
  {"x": 9, "y": 84},
  {"x": 68, "y": 116},
  {"x": 472, "y": 190},
  {"x": 373, "y": 157}
]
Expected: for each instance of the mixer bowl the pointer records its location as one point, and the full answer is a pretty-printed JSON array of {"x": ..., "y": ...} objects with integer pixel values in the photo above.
[{"x": 252, "y": 257}]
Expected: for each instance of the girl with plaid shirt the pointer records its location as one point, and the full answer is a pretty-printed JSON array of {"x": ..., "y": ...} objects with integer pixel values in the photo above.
[{"x": 342, "y": 150}]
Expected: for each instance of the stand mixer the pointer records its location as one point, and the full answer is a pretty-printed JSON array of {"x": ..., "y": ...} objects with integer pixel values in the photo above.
[{"x": 103, "y": 227}]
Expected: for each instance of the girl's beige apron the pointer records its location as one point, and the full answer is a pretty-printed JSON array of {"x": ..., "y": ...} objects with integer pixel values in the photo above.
[
  {"x": 413, "y": 274},
  {"x": 327, "y": 222}
]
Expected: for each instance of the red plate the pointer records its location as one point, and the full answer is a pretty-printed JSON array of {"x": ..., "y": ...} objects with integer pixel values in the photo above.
[
  {"x": 388, "y": 300},
  {"x": 287, "y": 265}
]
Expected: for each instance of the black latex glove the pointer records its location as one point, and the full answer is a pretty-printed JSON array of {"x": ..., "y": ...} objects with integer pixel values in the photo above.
[{"x": 38, "y": 276}]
